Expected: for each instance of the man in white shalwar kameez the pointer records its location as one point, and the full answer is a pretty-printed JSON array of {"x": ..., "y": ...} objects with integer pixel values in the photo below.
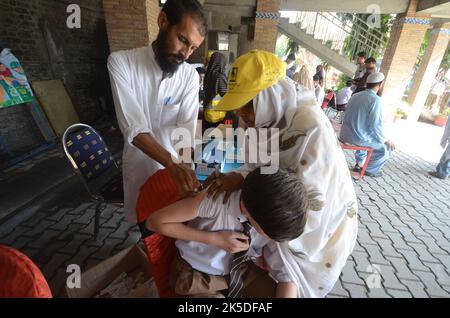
[{"x": 155, "y": 92}]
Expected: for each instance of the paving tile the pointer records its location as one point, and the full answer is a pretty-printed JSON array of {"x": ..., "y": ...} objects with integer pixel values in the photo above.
[
  {"x": 416, "y": 288},
  {"x": 356, "y": 291},
  {"x": 399, "y": 293},
  {"x": 431, "y": 285}
]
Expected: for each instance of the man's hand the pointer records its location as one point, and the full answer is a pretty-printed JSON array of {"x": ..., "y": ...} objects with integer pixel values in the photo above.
[
  {"x": 232, "y": 242},
  {"x": 224, "y": 183},
  {"x": 185, "y": 179},
  {"x": 390, "y": 145}
]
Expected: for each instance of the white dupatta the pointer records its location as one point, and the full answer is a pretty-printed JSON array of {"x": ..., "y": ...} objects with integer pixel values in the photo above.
[{"x": 310, "y": 149}]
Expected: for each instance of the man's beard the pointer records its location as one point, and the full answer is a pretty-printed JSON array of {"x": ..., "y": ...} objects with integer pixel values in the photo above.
[{"x": 163, "y": 57}]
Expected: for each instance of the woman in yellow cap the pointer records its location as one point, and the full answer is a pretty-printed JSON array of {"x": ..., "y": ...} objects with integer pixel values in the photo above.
[{"x": 309, "y": 148}]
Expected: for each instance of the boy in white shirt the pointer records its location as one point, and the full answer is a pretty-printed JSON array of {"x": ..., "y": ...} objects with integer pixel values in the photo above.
[
  {"x": 274, "y": 204},
  {"x": 320, "y": 93},
  {"x": 343, "y": 96}
]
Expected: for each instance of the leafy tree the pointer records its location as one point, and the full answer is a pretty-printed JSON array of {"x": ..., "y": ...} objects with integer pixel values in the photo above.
[
  {"x": 361, "y": 34},
  {"x": 292, "y": 47}
]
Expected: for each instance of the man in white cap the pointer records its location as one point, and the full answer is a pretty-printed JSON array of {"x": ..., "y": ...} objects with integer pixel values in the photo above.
[{"x": 363, "y": 126}]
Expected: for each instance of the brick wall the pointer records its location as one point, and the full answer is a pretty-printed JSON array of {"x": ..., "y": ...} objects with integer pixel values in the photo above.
[
  {"x": 266, "y": 28},
  {"x": 152, "y": 18},
  {"x": 401, "y": 54},
  {"x": 131, "y": 23},
  {"x": 37, "y": 34},
  {"x": 425, "y": 75}
]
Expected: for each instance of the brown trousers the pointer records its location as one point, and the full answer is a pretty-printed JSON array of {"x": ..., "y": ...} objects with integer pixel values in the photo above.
[{"x": 186, "y": 281}]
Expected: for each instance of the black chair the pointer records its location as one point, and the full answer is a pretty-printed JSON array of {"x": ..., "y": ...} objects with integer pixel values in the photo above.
[{"x": 94, "y": 164}]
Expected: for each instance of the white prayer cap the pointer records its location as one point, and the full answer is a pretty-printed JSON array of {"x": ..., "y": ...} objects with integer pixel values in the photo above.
[{"x": 375, "y": 78}]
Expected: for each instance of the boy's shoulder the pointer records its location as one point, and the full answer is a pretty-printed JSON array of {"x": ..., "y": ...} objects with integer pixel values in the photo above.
[{"x": 210, "y": 208}]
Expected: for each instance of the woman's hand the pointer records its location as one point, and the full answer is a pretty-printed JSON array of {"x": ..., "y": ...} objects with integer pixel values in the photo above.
[
  {"x": 223, "y": 183},
  {"x": 232, "y": 242}
]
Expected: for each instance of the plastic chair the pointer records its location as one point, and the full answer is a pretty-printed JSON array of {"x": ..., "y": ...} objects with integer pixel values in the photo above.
[
  {"x": 94, "y": 164},
  {"x": 159, "y": 191},
  {"x": 337, "y": 128},
  {"x": 369, "y": 155},
  {"x": 20, "y": 277},
  {"x": 329, "y": 101}
]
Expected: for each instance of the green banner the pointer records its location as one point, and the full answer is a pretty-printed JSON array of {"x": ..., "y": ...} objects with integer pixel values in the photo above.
[{"x": 14, "y": 86}]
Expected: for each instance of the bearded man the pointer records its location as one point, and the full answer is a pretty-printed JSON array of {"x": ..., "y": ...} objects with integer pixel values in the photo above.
[{"x": 155, "y": 92}]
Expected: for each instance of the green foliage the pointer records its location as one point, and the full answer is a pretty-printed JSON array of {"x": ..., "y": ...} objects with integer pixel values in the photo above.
[
  {"x": 291, "y": 47},
  {"x": 342, "y": 82},
  {"x": 445, "y": 111},
  {"x": 401, "y": 113},
  {"x": 281, "y": 47},
  {"x": 354, "y": 42},
  {"x": 423, "y": 48},
  {"x": 446, "y": 61}
]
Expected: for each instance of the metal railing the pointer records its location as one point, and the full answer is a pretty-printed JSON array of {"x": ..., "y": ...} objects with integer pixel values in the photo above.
[{"x": 334, "y": 32}]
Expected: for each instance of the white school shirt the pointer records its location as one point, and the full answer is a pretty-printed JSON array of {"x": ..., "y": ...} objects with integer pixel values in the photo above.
[
  {"x": 147, "y": 103},
  {"x": 216, "y": 216},
  {"x": 320, "y": 95},
  {"x": 343, "y": 95}
]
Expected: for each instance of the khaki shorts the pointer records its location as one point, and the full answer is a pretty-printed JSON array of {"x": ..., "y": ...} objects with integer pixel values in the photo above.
[{"x": 186, "y": 281}]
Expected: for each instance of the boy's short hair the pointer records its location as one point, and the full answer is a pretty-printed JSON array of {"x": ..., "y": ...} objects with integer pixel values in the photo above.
[
  {"x": 277, "y": 202},
  {"x": 370, "y": 60},
  {"x": 361, "y": 54},
  {"x": 316, "y": 78}
]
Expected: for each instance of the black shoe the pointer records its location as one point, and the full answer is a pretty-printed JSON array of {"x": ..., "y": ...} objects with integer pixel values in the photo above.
[
  {"x": 357, "y": 169},
  {"x": 373, "y": 175},
  {"x": 434, "y": 174}
]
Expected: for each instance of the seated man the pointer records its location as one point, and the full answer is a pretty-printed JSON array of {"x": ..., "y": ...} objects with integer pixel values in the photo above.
[
  {"x": 212, "y": 242},
  {"x": 363, "y": 126},
  {"x": 343, "y": 96}
]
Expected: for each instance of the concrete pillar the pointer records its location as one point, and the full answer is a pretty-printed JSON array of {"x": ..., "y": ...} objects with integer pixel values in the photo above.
[
  {"x": 131, "y": 23},
  {"x": 401, "y": 54},
  {"x": 428, "y": 69},
  {"x": 266, "y": 22}
]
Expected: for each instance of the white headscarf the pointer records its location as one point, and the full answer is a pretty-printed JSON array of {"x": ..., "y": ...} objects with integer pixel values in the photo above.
[{"x": 310, "y": 149}]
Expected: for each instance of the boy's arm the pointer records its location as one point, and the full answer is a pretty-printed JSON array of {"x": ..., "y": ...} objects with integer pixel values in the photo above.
[
  {"x": 169, "y": 222},
  {"x": 286, "y": 290}
]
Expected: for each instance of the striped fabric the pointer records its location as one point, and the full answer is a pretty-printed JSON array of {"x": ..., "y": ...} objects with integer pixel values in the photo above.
[
  {"x": 20, "y": 277},
  {"x": 236, "y": 286}
]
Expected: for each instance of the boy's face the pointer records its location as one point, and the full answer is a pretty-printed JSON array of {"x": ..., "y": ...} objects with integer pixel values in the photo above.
[
  {"x": 245, "y": 212},
  {"x": 247, "y": 113},
  {"x": 370, "y": 65}
]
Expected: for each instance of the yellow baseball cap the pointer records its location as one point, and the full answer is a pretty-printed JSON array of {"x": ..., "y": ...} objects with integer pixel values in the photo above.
[
  {"x": 250, "y": 74},
  {"x": 209, "y": 55}
]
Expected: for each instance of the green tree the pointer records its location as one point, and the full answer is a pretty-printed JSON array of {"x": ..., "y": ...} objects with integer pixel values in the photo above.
[
  {"x": 362, "y": 37},
  {"x": 291, "y": 47}
]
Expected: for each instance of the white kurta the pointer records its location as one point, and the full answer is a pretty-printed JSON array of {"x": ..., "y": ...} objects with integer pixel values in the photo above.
[{"x": 147, "y": 103}]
